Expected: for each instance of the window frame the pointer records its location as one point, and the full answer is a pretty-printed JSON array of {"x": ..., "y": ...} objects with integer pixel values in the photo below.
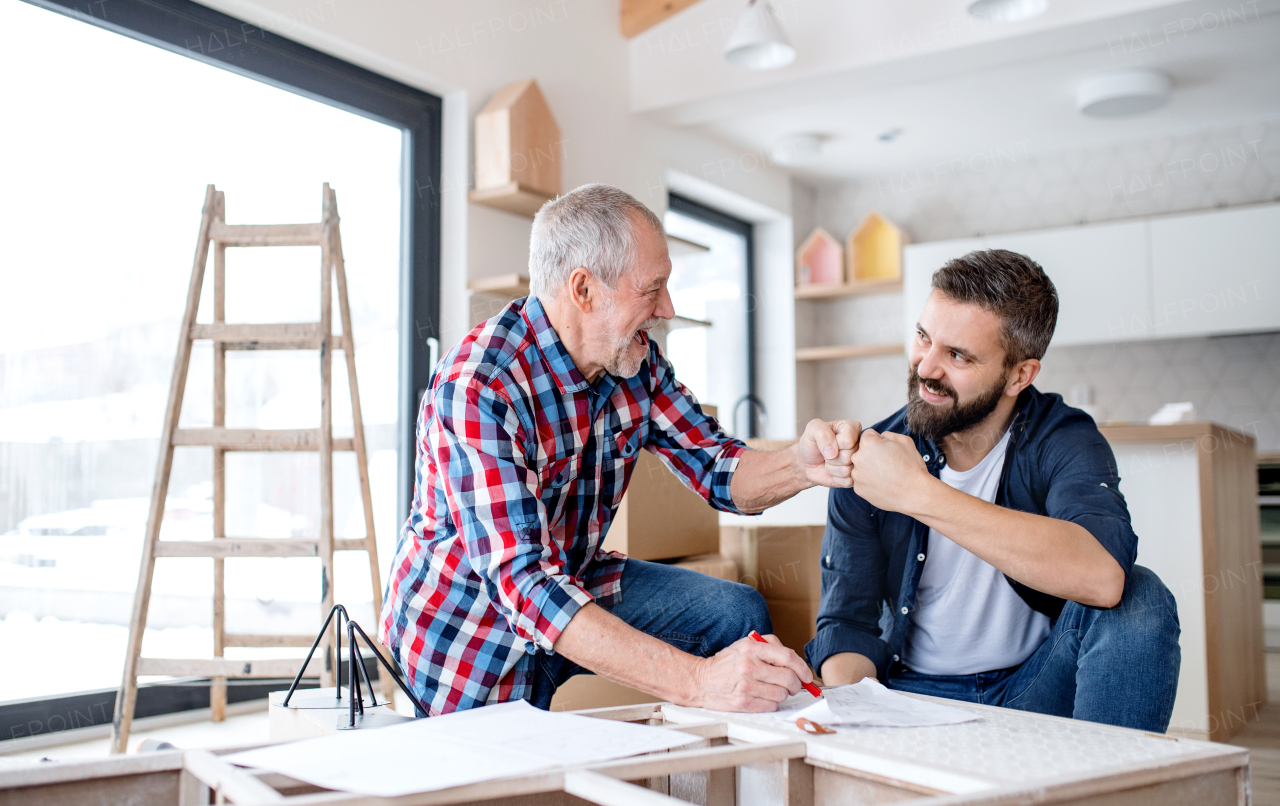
[
  {"x": 717, "y": 218},
  {"x": 223, "y": 41}
]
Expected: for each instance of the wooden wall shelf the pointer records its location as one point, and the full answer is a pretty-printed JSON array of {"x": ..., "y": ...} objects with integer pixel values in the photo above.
[
  {"x": 512, "y": 197},
  {"x": 839, "y": 352},
  {"x": 677, "y": 322},
  {"x": 889, "y": 286},
  {"x": 502, "y": 285}
]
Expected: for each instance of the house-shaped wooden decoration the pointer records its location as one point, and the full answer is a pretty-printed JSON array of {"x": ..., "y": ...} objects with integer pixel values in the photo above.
[
  {"x": 819, "y": 260},
  {"x": 875, "y": 250},
  {"x": 517, "y": 150}
]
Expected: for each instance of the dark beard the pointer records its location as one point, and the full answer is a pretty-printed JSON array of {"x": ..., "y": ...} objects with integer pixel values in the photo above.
[{"x": 933, "y": 422}]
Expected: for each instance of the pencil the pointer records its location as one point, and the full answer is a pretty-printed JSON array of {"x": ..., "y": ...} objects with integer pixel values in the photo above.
[{"x": 809, "y": 687}]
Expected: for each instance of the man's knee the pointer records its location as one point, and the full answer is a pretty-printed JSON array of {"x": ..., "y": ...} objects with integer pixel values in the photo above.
[
  {"x": 742, "y": 609},
  {"x": 1146, "y": 595}
]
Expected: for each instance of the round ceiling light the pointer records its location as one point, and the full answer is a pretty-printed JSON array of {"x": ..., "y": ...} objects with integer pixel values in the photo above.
[
  {"x": 757, "y": 41},
  {"x": 1007, "y": 10},
  {"x": 1124, "y": 92},
  {"x": 797, "y": 149}
]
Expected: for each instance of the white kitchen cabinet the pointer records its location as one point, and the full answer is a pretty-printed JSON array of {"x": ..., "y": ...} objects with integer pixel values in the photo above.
[
  {"x": 1102, "y": 274},
  {"x": 1216, "y": 272},
  {"x": 919, "y": 262},
  {"x": 1198, "y": 274}
]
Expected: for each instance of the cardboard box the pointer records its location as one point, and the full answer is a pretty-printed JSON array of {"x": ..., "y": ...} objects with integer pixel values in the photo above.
[
  {"x": 714, "y": 565},
  {"x": 788, "y": 560},
  {"x": 591, "y": 691},
  {"x": 789, "y": 563},
  {"x": 660, "y": 518},
  {"x": 795, "y": 623}
]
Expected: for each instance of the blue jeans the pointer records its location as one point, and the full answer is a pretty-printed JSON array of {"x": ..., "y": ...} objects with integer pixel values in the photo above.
[
  {"x": 1117, "y": 666},
  {"x": 693, "y": 612}
]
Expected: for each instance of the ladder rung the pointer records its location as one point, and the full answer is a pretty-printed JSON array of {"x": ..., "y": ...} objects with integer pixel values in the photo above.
[
  {"x": 239, "y": 547},
  {"x": 258, "y": 439},
  {"x": 226, "y": 667},
  {"x": 254, "y": 640},
  {"x": 266, "y": 234},
  {"x": 350, "y": 544},
  {"x": 291, "y": 336}
]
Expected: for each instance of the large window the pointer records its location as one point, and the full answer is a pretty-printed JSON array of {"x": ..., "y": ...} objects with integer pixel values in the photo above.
[
  {"x": 110, "y": 142},
  {"x": 710, "y": 344}
]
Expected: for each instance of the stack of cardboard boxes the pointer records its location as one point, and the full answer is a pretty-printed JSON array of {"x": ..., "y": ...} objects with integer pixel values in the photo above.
[{"x": 787, "y": 573}]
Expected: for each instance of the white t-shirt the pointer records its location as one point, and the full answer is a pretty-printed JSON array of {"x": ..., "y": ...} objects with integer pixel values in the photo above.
[{"x": 967, "y": 617}]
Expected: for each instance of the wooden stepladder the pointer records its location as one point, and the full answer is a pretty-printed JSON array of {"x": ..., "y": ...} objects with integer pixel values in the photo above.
[{"x": 317, "y": 336}]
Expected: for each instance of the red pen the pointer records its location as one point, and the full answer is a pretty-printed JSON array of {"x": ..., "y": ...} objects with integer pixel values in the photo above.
[{"x": 809, "y": 687}]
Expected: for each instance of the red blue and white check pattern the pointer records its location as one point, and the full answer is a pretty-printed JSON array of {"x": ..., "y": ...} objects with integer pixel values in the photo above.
[{"x": 521, "y": 465}]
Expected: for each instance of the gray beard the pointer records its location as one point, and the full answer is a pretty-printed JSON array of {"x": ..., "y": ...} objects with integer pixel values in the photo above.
[{"x": 621, "y": 364}]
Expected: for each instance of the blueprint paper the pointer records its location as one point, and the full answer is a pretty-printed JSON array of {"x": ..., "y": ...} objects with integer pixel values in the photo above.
[{"x": 482, "y": 744}]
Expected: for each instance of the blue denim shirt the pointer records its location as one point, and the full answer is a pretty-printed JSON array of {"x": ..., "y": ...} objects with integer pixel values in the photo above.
[{"x": 1058, "y": 464}]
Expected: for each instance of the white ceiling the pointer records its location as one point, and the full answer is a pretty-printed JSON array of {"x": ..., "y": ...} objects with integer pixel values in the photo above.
[{"x": 963, "y": 94}]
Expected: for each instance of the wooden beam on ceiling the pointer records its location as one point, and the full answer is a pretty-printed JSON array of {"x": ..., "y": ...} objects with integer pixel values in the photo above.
[{"x": 639, "y": 16}]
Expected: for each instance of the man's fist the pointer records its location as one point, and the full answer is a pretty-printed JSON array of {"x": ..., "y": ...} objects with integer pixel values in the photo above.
[
  {"x": 889, "y": 471},
  {"x": 825, "y": 452}
]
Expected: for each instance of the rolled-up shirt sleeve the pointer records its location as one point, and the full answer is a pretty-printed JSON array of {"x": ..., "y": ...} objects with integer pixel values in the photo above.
[
  {"x": 688, "y": 440},
  {"x": 494, "y": 498},
  {"x": 853, "y": 584},
  {"x": 1084, "y": 488}
]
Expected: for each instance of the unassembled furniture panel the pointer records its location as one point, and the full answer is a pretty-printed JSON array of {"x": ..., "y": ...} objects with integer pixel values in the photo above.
[{"x": 1006, "y": 758}]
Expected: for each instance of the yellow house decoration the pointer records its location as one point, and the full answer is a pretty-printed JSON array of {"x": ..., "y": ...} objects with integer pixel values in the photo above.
[
  {"x": 517, "y": 150},
  {"x": 875, "y": 250}
]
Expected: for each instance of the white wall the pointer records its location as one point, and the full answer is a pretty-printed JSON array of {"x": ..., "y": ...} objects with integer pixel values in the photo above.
[{"x": 465, "y": 51}]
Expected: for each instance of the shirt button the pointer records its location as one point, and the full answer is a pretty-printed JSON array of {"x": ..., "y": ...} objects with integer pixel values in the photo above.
[
  {"x": 920, "y": 557},
  {"x": 1104, "y": 484},
  {"x": 895, "y": 658},
  {"x": 905, "y": 610},
  {"x": 926, "y": 458},
  {"x": 828, "y": 560}
]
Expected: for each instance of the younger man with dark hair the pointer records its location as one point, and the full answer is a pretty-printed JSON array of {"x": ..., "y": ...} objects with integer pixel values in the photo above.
[{"x": 985, "y": 551}]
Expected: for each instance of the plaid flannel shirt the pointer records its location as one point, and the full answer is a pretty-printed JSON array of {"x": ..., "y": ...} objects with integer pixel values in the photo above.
[{"x": 521, "y": 465}]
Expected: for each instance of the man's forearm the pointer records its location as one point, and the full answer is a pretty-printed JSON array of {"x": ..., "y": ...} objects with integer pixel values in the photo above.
[
  {"x": 765, "y": 478},
  {"x": 846, "y": 667},
  {"x": 597, "y": 640},
  {"x": 1056, "y": 557}
]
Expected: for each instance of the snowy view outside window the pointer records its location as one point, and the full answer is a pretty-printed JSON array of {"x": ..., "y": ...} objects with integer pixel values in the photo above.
[
  {"x": 103, "y": 184},
  {"x": 710, "y": 286}
]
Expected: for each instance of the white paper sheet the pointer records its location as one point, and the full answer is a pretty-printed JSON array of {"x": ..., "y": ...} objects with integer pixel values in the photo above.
[
  {"x": 496, "y": 741},
  {"x": 869, "y": 704}
]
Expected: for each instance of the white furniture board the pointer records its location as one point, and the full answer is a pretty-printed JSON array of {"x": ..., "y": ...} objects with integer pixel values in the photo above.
[
  {"x": 806, "y": 508},
  {"x": 1162, "y": 490},
  {"x": 1005, "y": 748}
]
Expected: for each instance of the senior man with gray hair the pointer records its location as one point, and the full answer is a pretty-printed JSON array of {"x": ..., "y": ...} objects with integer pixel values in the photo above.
[{"x": 526, "y": 440}]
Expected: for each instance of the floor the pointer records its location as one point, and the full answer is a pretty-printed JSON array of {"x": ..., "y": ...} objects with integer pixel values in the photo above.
[{"x": 1262, "y": 737}]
